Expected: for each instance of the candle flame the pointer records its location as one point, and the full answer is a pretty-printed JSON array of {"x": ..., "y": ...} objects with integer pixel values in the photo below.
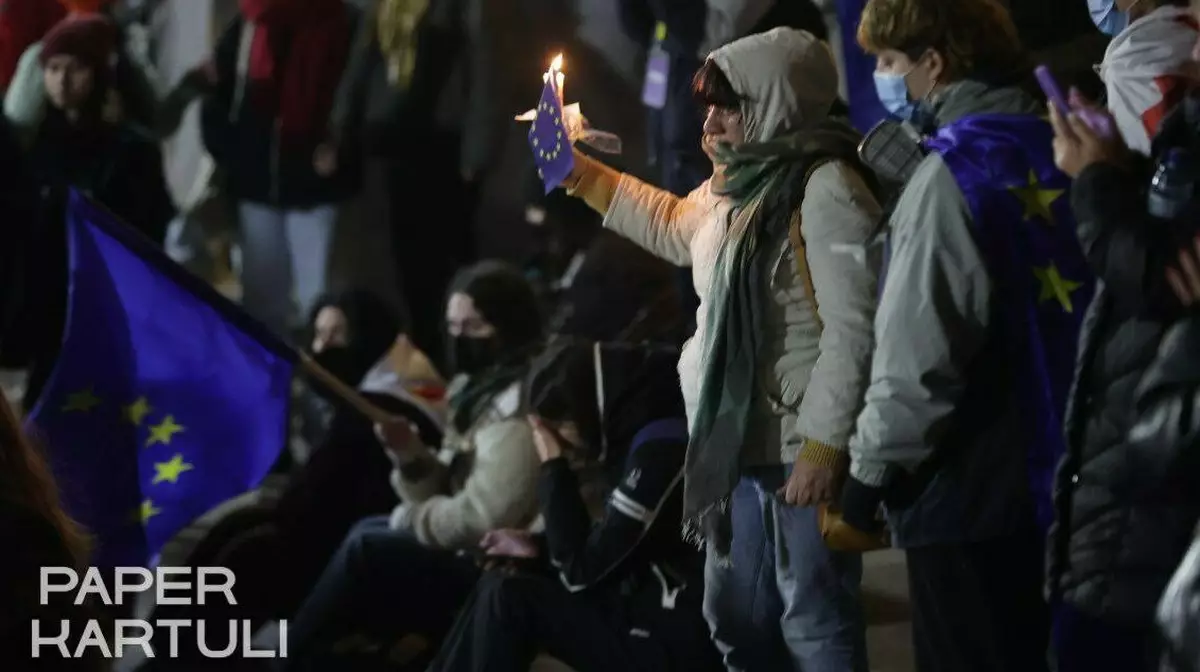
[{"x": 557, "y": 63}]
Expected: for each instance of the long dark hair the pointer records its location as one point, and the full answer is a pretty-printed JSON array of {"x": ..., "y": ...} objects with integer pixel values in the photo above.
[{"x": 27, "y": 483}]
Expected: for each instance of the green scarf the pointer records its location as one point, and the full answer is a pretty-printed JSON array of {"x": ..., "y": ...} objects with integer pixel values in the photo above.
[{"x": 765, "y": 182}]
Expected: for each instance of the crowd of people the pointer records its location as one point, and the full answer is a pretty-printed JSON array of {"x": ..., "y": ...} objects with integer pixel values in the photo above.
[{"x": 984, "y": 360}]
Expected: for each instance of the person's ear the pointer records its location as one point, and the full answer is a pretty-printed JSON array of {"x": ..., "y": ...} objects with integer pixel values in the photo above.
[{"x": 937, "y": 67}]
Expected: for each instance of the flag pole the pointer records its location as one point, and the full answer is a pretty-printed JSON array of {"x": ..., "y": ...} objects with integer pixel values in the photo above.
[{"x": 343, "y": 391}]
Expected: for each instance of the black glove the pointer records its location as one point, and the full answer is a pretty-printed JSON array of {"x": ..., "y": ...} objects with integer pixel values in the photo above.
[{"x": 860, "y": 505}]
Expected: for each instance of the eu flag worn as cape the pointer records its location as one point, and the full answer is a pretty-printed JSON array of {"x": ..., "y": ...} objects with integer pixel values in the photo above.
[
  {"x": 165, "y": 401},
  {"x": 1020, "y": 205},
  {"x": 549, "y": 139}
]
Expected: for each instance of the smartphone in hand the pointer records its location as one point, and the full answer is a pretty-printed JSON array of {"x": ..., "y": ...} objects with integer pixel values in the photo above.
[{"x": 1054, "y": 93}]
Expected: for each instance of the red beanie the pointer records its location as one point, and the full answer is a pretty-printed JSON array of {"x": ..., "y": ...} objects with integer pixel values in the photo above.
[{"x": 91, "y": 38}]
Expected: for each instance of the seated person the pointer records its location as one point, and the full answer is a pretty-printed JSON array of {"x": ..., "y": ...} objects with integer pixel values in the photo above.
[
  {"x": 628, "y": 590},
  {"x": 336, "y": 487},
  {"x": 348, "y": 333},
  {"x": 401, "y": 577}
]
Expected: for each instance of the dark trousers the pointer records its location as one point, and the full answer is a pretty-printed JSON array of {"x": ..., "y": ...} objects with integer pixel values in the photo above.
[
  {"x": 512, "y": 619},
  {"x": 1086, "y": 644},
  {"x": 383, "y": 596},
  {"x": 978, "y": 607}
]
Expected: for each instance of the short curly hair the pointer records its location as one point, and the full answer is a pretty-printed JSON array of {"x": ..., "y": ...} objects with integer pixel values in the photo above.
[{"x": 975, "y": 37}]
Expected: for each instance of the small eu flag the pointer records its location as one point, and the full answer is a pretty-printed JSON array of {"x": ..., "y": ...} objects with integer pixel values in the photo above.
[
  {"x": 166, "y": 400},
  {"x": 548, "y": 138}
]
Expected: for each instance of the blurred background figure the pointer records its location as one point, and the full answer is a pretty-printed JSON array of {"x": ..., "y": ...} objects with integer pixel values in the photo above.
[
  {"x": 266, "y": 126},
  {"x": 80, "y": 143}
]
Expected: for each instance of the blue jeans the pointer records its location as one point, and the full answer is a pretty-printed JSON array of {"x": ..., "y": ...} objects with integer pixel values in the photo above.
[{"x": 786, "y": 602}]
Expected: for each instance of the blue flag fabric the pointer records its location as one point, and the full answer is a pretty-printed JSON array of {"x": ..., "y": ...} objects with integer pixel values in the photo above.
[
  {"x": 865, "y": 109},
  {"x": 1020, "y": 204},
  {"x": 548, "y": 139},
  {"x": 165, "y": 401}
]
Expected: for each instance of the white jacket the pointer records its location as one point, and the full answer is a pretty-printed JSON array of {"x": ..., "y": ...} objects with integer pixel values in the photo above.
[
  {"x": 480, "y": 480},
  {"x": 813, "y": 381}
]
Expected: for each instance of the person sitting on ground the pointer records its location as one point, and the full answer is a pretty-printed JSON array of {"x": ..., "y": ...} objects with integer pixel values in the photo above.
[
  {"x": 401, "y": 576},
  {"x": 628, "y": 590}
]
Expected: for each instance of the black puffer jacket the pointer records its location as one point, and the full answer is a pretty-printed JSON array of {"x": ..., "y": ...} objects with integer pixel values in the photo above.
[
  {"x": 1165, "y": 446},
  {"x": 1115, "y": 541}
]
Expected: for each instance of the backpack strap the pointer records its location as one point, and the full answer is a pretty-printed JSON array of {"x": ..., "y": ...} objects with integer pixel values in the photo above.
[{"x": 800, "y": 250}]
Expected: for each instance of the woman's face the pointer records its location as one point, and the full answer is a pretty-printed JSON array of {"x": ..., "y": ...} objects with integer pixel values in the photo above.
[
  {"x": 331, "y": 329},
  {"x": 68, "y": 81},
  {"x": 463, "y": 320},
  {"x": 723, "y": 125}
]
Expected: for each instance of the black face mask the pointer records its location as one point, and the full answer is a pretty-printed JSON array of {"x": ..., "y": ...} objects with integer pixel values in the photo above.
[
  {"x": 341, "y": 362},
  {"x": 472, "y": 355}
]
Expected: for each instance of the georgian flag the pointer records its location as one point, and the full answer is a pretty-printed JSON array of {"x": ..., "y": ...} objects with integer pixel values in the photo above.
[{"x": 1142, "y": 72}]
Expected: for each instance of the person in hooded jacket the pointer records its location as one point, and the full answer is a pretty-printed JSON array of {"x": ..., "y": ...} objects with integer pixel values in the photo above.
[
  {"x": 1143, "y": 65},
  {"x": 266, "y": 124},
  {"x": 773, "y": 377},
  {"x": 628, "y": 590},
  {"x": 401, "y": 576},
  {"x": 975, "y": 336},
  {"x": 1121, "y": 524},
  {"x": 78, "y": 147}
]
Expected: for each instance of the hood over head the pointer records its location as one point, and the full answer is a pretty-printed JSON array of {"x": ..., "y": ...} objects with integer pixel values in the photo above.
[{"x": 787, "y": 79}]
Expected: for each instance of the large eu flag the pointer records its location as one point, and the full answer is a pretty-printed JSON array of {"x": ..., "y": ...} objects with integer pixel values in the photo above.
[
  {"x": 165, "y": 401},
  {"x": 1021, "y": 208},
  {"x": 548, "y": 138}
]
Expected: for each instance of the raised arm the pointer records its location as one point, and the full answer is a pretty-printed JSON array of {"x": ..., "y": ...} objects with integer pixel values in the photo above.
[
  {"x": 585, "y": 554},
  {"x": 657, "y": 220}
]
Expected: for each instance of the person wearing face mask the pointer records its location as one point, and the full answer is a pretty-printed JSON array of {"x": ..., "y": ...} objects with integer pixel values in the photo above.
[
  {"x": 975, "y": 337},
  {"x": 1142, "y": 67},
  {"x": 778, "y": 241},
  {"x": 400, "y": 579},
  {"x": 623, "y": 593}
]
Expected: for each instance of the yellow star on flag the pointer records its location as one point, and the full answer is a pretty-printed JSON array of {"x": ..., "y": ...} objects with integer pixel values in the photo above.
[
  {"x": 170, "y": 470},
  {"x": 1053, "y": 286},
  {"x": 83, "y": 400},
  {"x": 138, "y": 410},
  {"x": 147, "y": 511},
  {"x": 163, "y": 431},
  {"x": 1036, "y": 200}
]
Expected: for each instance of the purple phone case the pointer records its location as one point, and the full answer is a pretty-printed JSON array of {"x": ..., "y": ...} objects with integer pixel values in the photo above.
[
  {"x": 1097, "y": 122},
  {"x": 1050, "y": 88}
]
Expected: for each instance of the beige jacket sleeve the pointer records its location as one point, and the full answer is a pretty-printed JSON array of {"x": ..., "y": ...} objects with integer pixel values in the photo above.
[
  {"x": 657, "y": 220},
  {"x": 500, "y": 492},
  {"x": 839, "y": 218},
  {"x": 419, "y": 480}
]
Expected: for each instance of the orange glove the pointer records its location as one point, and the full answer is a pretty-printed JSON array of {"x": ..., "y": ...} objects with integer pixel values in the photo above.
[{"x": 840, "y": 536}]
